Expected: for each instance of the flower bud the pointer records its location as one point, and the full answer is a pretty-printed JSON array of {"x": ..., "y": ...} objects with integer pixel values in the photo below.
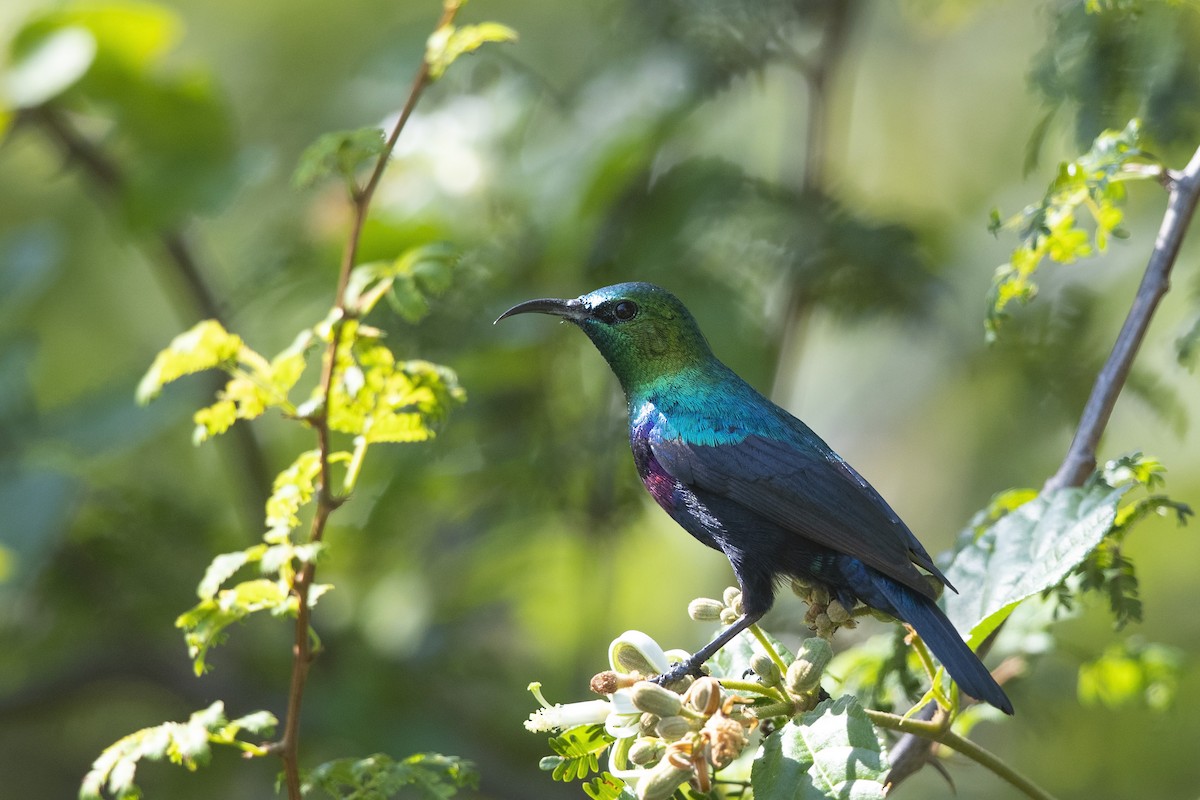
[
  {"x": 645, "y": 752},
  {"x": 729, "y": 616},
  {"x": 704, "y": 696},
  {"x": 705, "y": 609},
  {"x": 804, "y": 675},
  {"x": 654, "y": 699},
  {"x": 733, "y": 599},
  {"x": 608, "y": 682},
  {"x": 767, "y": 670},
  {"x": 662, "y": 781},
  {"x": 673, "y": 728}
]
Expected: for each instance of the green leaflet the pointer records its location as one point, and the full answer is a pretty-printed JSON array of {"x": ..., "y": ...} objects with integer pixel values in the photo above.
[
  {"x": 1027, "y": 551},
  {"x": 832, "y": 751},
  {"x": 184, "y": 743}
]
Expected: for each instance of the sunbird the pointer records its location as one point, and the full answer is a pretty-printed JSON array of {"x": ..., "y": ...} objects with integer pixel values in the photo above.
[{"x": 745, "y": 477}]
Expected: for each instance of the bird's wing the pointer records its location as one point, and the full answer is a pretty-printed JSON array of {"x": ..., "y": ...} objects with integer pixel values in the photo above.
[{"x": 810, "y": 491}]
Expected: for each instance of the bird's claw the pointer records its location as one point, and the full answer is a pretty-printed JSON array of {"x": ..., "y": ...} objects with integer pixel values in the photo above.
[{"x": 676, "y": 674}]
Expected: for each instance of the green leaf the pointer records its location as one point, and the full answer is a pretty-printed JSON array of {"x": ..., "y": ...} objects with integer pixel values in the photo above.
[
  {"x": 204, "y": 625},
  {"x": 341, "y": 153},
  {"x": 292, "y": 490},
  {"x": 379, "y": 777},
  {"x": 1027, "y": 551},
  {"x": 176, "y": 124},
  {"x": 48, "y": 66},
  {"x": 381, "y": 400},
  {"x": 224, "y": 566},
  {"x": 831, "y": 751},
  {"x": 447, "y": 43},
  {"x": 578, "y": 752},
  {"x": 184, "y": 743},
  {"x": 1050, "y": 229},
  {"x": 408, "y": 282},
  {"x": 608, "y": 787},
  {"x": 205, "y": 346}
]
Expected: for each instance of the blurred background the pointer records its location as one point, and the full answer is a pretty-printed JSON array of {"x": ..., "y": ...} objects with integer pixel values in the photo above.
[{"x": 813, "y": 179}]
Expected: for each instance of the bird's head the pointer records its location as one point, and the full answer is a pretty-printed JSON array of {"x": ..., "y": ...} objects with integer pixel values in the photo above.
[{"x": 643, "y": 331}]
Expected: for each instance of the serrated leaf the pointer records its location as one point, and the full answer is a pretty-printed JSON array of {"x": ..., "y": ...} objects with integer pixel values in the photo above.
[
  {"x": 338, "y": 153},
  {"x": 832, "y": 751},
  {"x": 205, "y": 346},
  {"x": 447, "y": 43},
  {"x": 293, "y": 488},
  {"x": 205, "y": 623},
  {"x": 184, "y": 743},
  {"x": 1027, "y": 551},
  {"x": 394, "y": 402},
  {"x": 1050, "y": 229},
  {"x": 224, "y": 566}
]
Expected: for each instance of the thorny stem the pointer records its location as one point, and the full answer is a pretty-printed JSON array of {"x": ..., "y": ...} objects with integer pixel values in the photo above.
[
  {"x": 327, "y": 501},
  {"x": 937, "y": 732},
  {"x": 176, "y": 252}
]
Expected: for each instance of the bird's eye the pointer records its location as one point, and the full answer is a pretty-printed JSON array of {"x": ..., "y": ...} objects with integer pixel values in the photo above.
[{"x": 625, "y": 310}]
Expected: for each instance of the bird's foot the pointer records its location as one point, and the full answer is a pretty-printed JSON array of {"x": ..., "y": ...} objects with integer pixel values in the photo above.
[{"x": 677, "y": 673}]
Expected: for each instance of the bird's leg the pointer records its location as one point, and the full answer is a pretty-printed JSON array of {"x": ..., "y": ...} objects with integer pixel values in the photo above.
[{"x": 693, "y": 664}]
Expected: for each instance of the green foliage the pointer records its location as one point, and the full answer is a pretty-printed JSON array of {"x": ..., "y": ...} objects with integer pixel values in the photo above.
[
  {"x": 1050, "y": 229},
  {"x": 106, "y": 60},
  {"x": 205, "y": 346},
  {"x": 608, "y": 787},
  {"x": 255, "y": 386},
  {"x": 705, "y": 214},
  {"x": 341, "y": 153},
  {"x": 408, "y": 282},
  {"x": 1129, "y": 673},
  {"x": 184, "y": 743},
  {"x": 577, "y": 752},
  {"x": 1107, "y": 570},
  {"x": 1033, "y": 547},
  {"x": 1108, "y": 61},
  {"x": 449, "y": 42},
  {"x": 831, "y": 751},
  {"x": 380, "y": 777},
  {"x": 723, "y": 41},
  {"x": 382, "y": 400}
]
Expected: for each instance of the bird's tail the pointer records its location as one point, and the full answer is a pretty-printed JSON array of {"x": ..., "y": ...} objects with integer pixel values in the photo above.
[{"x": 935, "y": 629}]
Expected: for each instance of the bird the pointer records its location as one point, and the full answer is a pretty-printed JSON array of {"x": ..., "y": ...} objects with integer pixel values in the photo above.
[{"x": 747, "y": 478}]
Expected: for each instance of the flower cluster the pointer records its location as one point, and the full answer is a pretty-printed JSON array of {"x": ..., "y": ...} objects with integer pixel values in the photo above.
[{"x": 660, "y": 737}]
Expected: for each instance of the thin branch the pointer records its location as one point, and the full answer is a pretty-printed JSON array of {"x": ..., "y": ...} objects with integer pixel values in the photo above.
[
  {"x": 936, "y": 731},
  {"x": 177, "y": 254},
  {"x": 1080, "y": 460},
  {"x": 327, "y": 501}
]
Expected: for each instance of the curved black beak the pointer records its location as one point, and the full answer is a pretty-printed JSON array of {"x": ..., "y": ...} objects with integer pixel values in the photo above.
[{"x": 573, "y": 310}]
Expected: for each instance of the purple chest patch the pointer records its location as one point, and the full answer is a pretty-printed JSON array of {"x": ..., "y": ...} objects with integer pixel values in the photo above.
[{"x": 658, "y": 481}]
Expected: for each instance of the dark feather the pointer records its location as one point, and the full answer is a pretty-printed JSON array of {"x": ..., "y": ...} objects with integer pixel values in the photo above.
[{"x": 809, "y": 491}]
